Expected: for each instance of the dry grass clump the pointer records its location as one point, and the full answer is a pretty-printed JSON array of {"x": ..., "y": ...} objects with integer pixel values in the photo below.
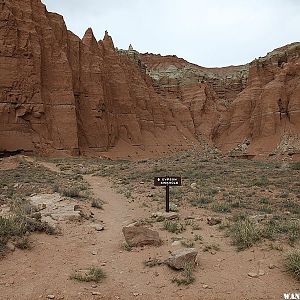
[
  {"x": 93, "y": 274},
  {"x": 292, "y": 263}
]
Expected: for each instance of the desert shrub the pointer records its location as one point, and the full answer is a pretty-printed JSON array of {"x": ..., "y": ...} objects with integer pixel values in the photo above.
[
  {"x": 126, "y": 246},
  {"x": 215, "y": 247},
  {"x": 18, "y": 225},
  {"x": 72, "y": 192},
  {"x": 296, "y": 165},
  {"x": 198, "y": 237},
  {"x": 187, "y": 243},
  {"x": 97, "y": 203},
  {"x": 244, "y": 233},
  {"x": 201, "y": 201},
  {"x": 221, "y": 207},
  {"x": 292, "y": 263},
  {"x": 93, "y": 274},
  {"x": 276, "y": 227},
  {"x": 174, "y": 227},
  {"x": 152, "y": 262},
  {"x": 188, "y": 276}
]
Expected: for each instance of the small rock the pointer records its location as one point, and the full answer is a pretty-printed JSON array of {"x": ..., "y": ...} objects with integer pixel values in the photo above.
[
  {"x": 94, "y": 286},
  {"x": 253, "y": 275},
  {"x": 261, "y": 273},
  {"x": 96, "y": 293},
  {"x": 181, "y": 257},
  {"x": 97, "y": 227},
  {"x": 10, "y": 246},
  {"x": 205, "y": 286},
  {"x": 135, "y": 294},
  {"x": 166, "y": 215},
  {"x": 213, "y": 221},
  {"x": 189, "y": 218},
  {"x": 272, "y": 266},
  {"x": 50, "y": 297},
  {"x": 94, "y": 252},
  {"x": 176, "y": 243},
  {"x": 194, "y": 186}
]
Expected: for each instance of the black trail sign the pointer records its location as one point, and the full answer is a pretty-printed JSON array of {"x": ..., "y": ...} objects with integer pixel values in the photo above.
[{"x": 167, "y": 181}]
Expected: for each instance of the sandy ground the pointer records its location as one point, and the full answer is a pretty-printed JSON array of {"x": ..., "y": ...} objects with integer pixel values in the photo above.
[{"x": 46, "y": 268}]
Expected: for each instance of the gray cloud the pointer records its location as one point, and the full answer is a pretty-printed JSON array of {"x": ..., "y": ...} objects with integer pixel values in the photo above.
[{"x": 206, "y": 32}]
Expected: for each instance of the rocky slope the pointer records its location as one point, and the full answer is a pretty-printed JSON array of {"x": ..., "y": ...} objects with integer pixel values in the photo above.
[{"x": 64, "y": 95}]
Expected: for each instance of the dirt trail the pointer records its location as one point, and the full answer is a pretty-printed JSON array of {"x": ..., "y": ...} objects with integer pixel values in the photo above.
[{"x": 45, "y": 269}]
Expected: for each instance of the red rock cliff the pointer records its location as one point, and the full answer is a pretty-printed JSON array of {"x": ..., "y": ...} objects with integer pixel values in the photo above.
[{"x": 64, "y": 95}]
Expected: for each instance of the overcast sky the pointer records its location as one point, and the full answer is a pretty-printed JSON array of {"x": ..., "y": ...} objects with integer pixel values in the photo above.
[{"x": 206, "y": 32}]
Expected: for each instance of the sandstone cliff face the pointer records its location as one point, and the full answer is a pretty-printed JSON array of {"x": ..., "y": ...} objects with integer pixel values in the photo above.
[
  {"x": 244, "y": 110},
  {"x": 203, "y": 94},
  {"x": 64, "y": 95},
  {"x": 266, "y": 112}
]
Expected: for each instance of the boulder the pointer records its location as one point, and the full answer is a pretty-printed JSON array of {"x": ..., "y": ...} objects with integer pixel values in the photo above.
[
  {"x": 180, "y": 258},
  {"x": 136, "y": 235}
]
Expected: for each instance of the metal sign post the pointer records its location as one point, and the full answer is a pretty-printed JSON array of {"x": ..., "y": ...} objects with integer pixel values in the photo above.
[{"x": 167, "y": 181}]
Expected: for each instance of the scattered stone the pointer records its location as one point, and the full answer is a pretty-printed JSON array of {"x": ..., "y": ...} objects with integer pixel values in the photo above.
[
  {"x": 96, "y": 293},
  {"x": 189, "y": 218},
  {"x": 55, "y": 206},
  {"x": 48, "y": 219},
  {"x": 213, "y": 221},
  {"x": 261, "y": 217},
  {"x": 253, "y": 275},
  {"x": 194, "y": 186},
  {"x": 136, "y": 235},
  {"x": 181, "y": 257},
  {"x": 272, "y": 266},
  {"x": 97, "y": 227},
  {"x": 205, "y": 286},
  {"x": 173, "y": 207},
  {"x": 166, "y": 215},
  {"x": 50, "y": 297},
  {"x": 10, "y": 246},
  {"x": 176, "y": 243}
]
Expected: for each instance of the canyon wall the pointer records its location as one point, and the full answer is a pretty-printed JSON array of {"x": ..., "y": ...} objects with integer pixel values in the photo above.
[
  {"x": 62, "y": 95},
  {"x": 243, "y": 110}
]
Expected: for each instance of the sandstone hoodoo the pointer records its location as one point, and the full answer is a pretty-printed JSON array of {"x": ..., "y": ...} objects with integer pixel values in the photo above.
[{"x": 62, "y": 95}]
